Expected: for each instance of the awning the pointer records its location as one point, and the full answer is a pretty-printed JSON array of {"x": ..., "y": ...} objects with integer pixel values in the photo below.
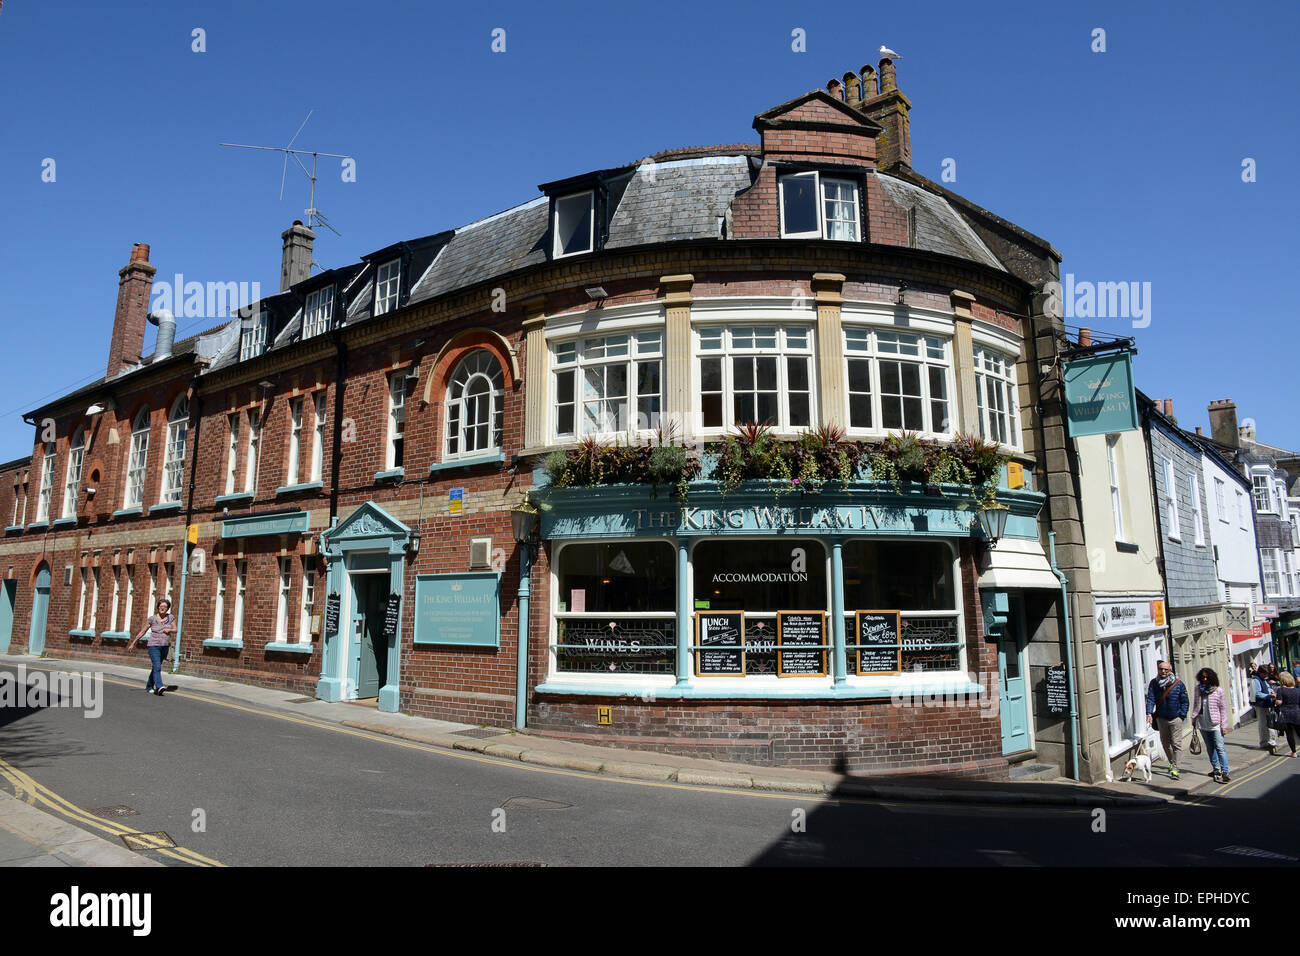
[{"x": 1016, "y": 563}]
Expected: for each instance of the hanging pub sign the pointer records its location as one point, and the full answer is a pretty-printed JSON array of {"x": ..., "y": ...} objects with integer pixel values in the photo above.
[
  {"x": 1058, "y": 696},
  {"x": 713, "y": 628},
  {"x": 880, "y": 650},
  {"x": 332, "y": 614},
  {"x": 1099, "y": 396},
  {"x": 800, "y": 629},
  {"x": 392, "y": 613}
]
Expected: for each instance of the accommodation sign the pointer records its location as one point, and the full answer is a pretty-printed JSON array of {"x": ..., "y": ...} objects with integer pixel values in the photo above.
[{"x": 1099, "y": 395}]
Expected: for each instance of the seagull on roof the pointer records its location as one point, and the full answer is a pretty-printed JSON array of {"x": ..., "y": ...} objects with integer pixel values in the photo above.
[{"x": 886, "y": 51}]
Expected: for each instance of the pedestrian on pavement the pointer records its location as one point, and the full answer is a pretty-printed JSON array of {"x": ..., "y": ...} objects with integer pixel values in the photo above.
[
  {"x": 1262, "y": 701},
  {"x": 160, "y": 626},
  {"x": 1210, "y": 717},
  {"x": 1166, "y": 707},
  {"x": 1288, "y": 696}
]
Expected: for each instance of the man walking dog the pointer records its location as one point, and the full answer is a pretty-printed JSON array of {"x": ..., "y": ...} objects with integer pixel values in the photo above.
[{"x": 1167, "y": 705}]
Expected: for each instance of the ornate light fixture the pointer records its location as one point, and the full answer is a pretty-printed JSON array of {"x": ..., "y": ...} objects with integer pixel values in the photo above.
[
  {"x": 523, "y": 519},
  {"x": 993, "y": 520}
]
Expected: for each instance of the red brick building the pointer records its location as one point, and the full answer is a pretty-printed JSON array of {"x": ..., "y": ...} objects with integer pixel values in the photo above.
[{"x": 346, "y": 455}]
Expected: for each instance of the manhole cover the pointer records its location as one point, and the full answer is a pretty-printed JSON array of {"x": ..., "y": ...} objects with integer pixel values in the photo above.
[
  {"x": 1256, "y": 853},
  {"x": 110, "y": 812},
  {"x": 508, "y": 863},
  {"x": 139, "y": 842},
  {"x": 533, "y": 803},
  {"x": 479, "y": 733}
]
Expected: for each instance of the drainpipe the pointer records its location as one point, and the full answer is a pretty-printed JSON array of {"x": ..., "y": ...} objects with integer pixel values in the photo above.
[
  {"x": 521, "y": 640},
  {"x": 1069, "y": 662},
  {"x": 336, "y": 456},
  {"x": 197, "y": 414}
]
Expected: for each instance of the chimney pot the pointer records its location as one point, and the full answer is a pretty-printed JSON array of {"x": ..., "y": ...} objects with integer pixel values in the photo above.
[
  {"x": 1085, "y": 337},
  {"x": 868, "y": 82},
  {"x": 140, "y": 252},
  {"x": 888, "y": 79},
  {"x": 1198, "y": 430},
  {"x": 835, "y": 89},
  {"x": 852, "y": 89}
]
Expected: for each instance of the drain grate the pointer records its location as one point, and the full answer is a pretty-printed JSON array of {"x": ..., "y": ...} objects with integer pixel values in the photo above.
[
  {"x": 534, "y": 803},
  {"x": 111, "y": 812},
  {"x": 507, "y": 863},
  {"x": 479, "y": 733},
  {"x": 139, "y": 842},
  {"x": 1255, "y": 852}
]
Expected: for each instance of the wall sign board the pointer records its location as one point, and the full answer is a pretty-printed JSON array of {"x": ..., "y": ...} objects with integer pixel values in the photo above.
[
  {"x": 795, "y": 629},
  {"x": 462, "y": 609},
  {"x": 714, "y": 628},
  {"x": 332, "y": 614}
]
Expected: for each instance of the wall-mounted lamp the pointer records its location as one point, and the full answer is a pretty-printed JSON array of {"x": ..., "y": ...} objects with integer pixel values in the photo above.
[
  {"x": 266, "y": 383},
  {"x": 596, "y": 293},
  {"x": 902, "y": 294},
  {"x": 413, "y": 543},
  {"x": 993, "y": 521},
  {"x": 100, "y": 407},
  {"x": 90, "y": 492}
]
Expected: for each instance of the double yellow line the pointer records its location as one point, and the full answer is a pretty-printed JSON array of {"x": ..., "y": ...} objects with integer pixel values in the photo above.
[
  {"x": 1238, "y": 781},
  {"x": 37, "y": 795}
]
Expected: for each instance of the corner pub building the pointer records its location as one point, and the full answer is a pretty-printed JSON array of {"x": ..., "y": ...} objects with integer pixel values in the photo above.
[{"x": 331, "y": 484}]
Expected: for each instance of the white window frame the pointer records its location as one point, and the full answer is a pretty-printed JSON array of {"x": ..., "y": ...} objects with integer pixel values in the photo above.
[
  {"x": 457, "y": 427},
  {"x": 219, "y": 600},
  {"x": 81, "y": 604},
  {"x": 1261, "y": 481},
  {"x": 153, "y": 591},
  {"x": 1174, "y": 530},
  {"x": 738, "y": 341},
  {"x": 252, "y": 337},
  {"x": 307, "y": 601},
  {"x": 178, "y": 423},
  {"x": 387, "y": 278},
  {"x": 72, "y": 484},
  {"x": 318, "y": 313},
  {"x": 995, "y": 381},
  {"x": 1272, "y": 567},
  {"x": 556, "y": 250},
  {"x": 252, "y": 449},
  {"x": 169, "y": 575},
  {"x": 241, "y": 593},
  {"x": 295, "y": 441},
  {"x": 584, "y": 362},
  {"x": 1198, "y": 519},
  {"x": 137, "y": 461},
  {"x": 1220, "y": 504},
  {"x": 878, "y": 346},
  {"x": 128, "y": 605},
  {"x": 318, "y": 435},
  {"x": 820, "y": 182},
  {"x": 282, "y": 603},
  {"x": 117, "y": 595},
  {"x": 47, "y": 481},
  {"x": 94, "y": 596},
  {"x": 1241, "y": 509},
  {"x": 232, "y": 453},
  {"x": 1116, "y": 489},
  {"x": 394, "y": 447}
]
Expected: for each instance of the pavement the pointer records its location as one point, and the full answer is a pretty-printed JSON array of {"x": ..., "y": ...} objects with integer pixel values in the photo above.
[{"x": 29, "y": 837}]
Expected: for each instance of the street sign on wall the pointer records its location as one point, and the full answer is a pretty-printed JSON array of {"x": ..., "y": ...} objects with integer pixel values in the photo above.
[{"x": 1099, "y": 394}]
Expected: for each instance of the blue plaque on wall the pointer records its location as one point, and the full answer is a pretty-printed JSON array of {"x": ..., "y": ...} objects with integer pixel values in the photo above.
[
  {"x": 1099, "y": 395},
  {"x": 463, "y": 609}
]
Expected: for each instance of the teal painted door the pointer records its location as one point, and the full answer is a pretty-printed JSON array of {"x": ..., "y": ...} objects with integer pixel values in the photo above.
[
  {"x": 1013, "y": 702},
  {"x": 8, "y": 598},
  {"x": 368, "y": 623},
  {"x": 40, "y": 611}
]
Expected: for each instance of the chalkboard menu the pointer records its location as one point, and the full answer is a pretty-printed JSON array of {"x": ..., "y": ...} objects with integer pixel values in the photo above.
[
  {"x": 719, "y": 627},
  {"x": 332, "y": 614},
  {"x": 1058, "y": 695},
  {"x": 800, "y": 628},
  {"x": 876, "y": 631},
  {"x": 392, "y": 614}
]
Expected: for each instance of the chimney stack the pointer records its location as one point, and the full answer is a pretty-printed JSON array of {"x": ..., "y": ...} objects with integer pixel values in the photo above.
[
  {"x": 1169, "y": 410},
  {"x": 295, "y": 258},
  {"x": 1198, "y": 431},
  {"x": 890, "y": 109},
  {"x": 135, "y": 282},
  {"x": 1223, "y": 423}
]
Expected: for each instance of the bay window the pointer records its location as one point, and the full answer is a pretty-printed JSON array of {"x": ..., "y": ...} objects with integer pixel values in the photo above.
[
  {"x": 996, "y": 398},
  {"x": 755, "y": 374},
  {"x": 1263, "y": 486},
  {"x": 897, "y": 380},
  {"x": 1272, "y": 571},
  {"x": 815, "y": 206},
  {"x": 609, "y": 384}
]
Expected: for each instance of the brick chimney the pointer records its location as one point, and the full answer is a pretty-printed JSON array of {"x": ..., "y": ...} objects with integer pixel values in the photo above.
[
  {"x": 295, "y": 257},
  {"x": 1223, "y": 423},
  {"x": 135, "y": 282},
  {"x": 890, "y": 109}
]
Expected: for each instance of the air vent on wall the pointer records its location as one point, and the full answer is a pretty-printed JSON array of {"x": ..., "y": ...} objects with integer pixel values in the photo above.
[{"x": 480, "y": 553}]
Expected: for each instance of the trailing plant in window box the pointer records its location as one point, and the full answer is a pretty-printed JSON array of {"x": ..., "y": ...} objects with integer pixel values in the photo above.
[
  {"x": 819, "y": 455},
  {"x": 661, "y": 460}
]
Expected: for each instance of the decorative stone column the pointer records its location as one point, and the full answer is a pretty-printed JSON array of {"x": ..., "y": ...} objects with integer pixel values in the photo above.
[
  {"x": 537, "y": 388},
  {"x": 677, "y": 351},
  {"x": 831, "y": 398},
  {"x": 963, "y": 363}
]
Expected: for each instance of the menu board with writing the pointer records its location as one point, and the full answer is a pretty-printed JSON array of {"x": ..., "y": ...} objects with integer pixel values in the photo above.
[
  {"x": 392, "y": 614},
  {"x": 878, "y": 634},
  {"x": 714, "y": 628},
  {"x": 1058, "y": 695},
  {"x": 332, "y": 614},
  {"x": 800, "y": 628}
]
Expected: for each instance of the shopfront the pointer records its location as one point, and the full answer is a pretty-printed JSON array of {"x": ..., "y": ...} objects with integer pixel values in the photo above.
[
  {"x": 1247, "y": 647},
  {"x": 1198, "y": 642},
  {"x": 1131, "y": 638},
  {"x": 769, "y": 623}
]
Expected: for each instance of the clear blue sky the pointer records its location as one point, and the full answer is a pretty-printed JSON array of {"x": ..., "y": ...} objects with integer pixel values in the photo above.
[{"x": 1129, "y": 161}]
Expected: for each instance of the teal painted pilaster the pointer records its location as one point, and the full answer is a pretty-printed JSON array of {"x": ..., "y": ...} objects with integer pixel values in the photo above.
[
  {"x": 389, "y": 694},
  {"x": 683, "y": 614},
  {"x": 839, "y": 657},
  {"x": 521, "y": 634}
]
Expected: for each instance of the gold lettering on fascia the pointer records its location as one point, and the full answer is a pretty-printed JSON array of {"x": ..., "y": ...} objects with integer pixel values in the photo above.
[{"x": 768, "y": 517}]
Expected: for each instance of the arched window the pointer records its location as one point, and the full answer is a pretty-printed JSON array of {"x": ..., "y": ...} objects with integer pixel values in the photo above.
[
  {"x": 475, "y": 400},
  {"x": 71, "y": 487},
  {"x": 137, "y": 455},
  {"x": 178, "y": 423}
]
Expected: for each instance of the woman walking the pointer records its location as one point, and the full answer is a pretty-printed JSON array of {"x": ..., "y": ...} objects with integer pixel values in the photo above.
[
  {"x": 1210, "y": 717},
  {"x": 160, "y": 626},
  {"x": 1289, "y": 695}
]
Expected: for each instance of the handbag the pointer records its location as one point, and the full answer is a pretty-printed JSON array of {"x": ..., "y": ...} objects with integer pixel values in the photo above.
[
  {"x": 1195, "y": 745},
  {"x": 1275, "y": 721}
]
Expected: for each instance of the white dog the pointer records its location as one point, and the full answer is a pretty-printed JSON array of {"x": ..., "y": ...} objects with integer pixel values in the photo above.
[{"x": 1142, "y": 764}]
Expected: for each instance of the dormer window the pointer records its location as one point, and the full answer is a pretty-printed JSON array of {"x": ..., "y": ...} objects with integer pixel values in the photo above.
[
  {"x": 814, "y": 206},
  {"x": 386, "y": 286},
  {"x": 574, "y": 224},
  {"x": 252, "y": 337},
  {"x": 319, "y": 312}
]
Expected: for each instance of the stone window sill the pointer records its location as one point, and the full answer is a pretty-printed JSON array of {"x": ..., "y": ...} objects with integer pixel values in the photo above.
[
  {"x": 217, "y": 642},
  {"x": 298, "y": 489},
  {"x": 165, "y": 506},
  {"x": 38, "y": 525},
  {"x": 115, "y": 636},
  {"x": 238, "y": 498},
  {"x": 394, "y": 474},
  {"x": 128, "y": 512},
  {"x": 496, "y": 459},
  {"x": 64, "y": 523},
  {"x": 295, "y": 647},
  {"x": 13, "y": 527},
  {"x": 82, "y": 635}
]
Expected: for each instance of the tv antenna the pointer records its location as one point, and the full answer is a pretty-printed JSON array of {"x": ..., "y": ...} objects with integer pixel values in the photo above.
[{"x": 314, "y": 216}]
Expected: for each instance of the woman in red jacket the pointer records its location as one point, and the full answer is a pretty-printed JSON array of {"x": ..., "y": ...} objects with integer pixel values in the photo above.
[{"x": 1210, "y": 717}]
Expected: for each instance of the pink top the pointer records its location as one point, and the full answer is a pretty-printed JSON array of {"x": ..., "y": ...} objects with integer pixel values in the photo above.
[{"x": 1217, "y": 706}]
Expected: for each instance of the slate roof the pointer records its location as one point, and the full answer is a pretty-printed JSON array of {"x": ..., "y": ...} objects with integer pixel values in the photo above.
[
  {"x": 493, "y": 246},
  {"x": 938, "y": 226},
  {"x": 676, "y": 201}
]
